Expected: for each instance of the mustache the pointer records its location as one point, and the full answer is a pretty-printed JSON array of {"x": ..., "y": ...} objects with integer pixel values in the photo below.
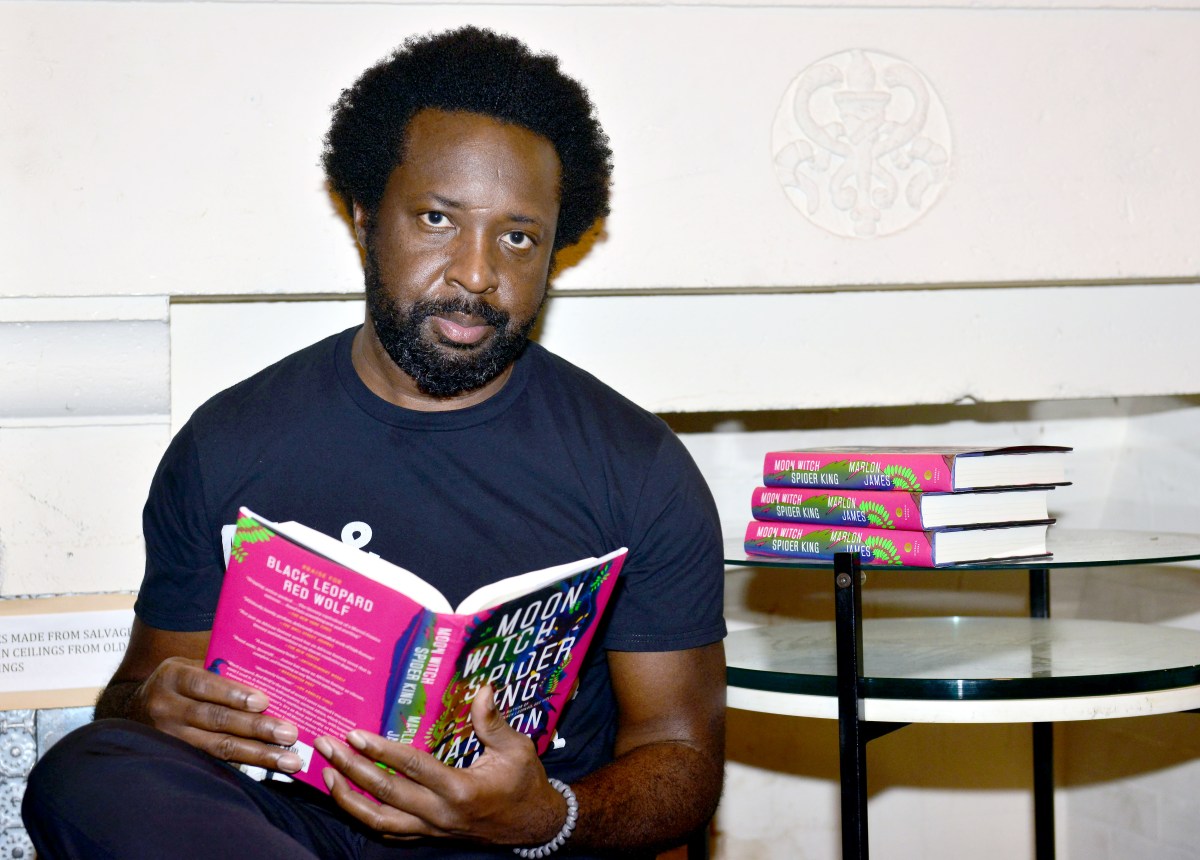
[{"x": 425, "y": 308}]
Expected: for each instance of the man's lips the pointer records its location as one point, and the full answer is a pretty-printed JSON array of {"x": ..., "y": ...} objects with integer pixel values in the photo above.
[{"x": 461, "y": 328}]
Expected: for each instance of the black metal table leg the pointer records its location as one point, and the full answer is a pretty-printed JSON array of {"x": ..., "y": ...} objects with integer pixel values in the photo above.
[
  {"x": 1043, "y": 738},
  {"x": 847, "y": 578}
]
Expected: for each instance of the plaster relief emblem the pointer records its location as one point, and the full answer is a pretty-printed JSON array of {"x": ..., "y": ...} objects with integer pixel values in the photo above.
[{"x": 861, "y": 144}]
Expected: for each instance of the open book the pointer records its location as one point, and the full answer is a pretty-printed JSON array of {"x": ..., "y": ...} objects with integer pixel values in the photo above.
[{"x": 339, "y": 639}]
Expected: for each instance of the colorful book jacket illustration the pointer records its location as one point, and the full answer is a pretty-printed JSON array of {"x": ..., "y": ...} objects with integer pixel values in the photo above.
[
  {"x": 881, "y": 509},
  {"x": 874, "y": 546},
  {"x": 339, "y": 639},
  {"x": 913, "y": 469},
  {"x": 929, "y": 548},
  {"x": 897, "y": 509}
]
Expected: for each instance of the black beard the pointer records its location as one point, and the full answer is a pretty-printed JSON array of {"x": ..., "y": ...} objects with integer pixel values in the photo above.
[{"x": 438, "y": 371}]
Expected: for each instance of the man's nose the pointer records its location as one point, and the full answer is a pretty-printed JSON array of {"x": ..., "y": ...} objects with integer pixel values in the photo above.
[{"x": 472, "y": 265}]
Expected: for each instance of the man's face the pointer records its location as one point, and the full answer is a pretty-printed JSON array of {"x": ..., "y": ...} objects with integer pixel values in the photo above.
[{"x": 459, "y": 251}]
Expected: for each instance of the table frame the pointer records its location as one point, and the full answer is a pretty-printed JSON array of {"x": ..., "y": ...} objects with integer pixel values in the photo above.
[
  {"x": 854, "y": 732},
  {"x": 1089, "y": 548}
]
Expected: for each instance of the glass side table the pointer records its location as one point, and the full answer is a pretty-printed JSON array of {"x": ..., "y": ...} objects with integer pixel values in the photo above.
[{"x": 877, "y": 675}]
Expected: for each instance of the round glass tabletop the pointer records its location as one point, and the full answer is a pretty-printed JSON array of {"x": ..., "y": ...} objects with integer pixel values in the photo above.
[
  {"x": 960, "y": 658},
  {"x": 1068, "y": 547}
]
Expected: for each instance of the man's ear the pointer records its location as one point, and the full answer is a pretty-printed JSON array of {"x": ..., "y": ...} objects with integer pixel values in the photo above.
[{"x": 360, "y": 225}]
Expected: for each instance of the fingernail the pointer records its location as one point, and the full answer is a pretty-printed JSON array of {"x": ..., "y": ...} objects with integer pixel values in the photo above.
[
  {"x": 324, "y": 747},
  {"x": 256, "y": 702},
  {"x": 327, "y": 775},
  {"x": 289, "y": 763},
  {"x": 356, "y": 740},
  {"x": 284, "y": 735}
]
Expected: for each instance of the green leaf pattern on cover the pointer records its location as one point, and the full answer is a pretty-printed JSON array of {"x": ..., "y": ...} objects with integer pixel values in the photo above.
[
  {"x": 248, "y": 531},
  {"x": 556, "y": 676},
  {"x": 903, "y": 478},
  {"x": 594, "y": 586},
  {"x": 877, "y": 515},
  {"x": 883, "y": 550}
]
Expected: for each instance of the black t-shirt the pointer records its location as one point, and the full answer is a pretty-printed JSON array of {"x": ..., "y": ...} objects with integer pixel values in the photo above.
[{"x": 554, "y": 467}]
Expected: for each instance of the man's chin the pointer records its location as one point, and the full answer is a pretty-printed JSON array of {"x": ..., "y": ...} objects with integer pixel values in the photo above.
[{"x": 453, "y": 369}]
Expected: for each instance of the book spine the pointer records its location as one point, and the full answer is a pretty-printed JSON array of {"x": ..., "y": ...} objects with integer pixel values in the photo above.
[
  {"x": 416, "y": 661},
  {"x": 869, "y": 508},
  {"x": 874, "y": 546},
  {"x": 846, "y": 471}
]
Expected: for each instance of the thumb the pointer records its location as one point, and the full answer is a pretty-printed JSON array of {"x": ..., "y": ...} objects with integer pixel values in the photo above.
[{"x": 490, "y": 727}]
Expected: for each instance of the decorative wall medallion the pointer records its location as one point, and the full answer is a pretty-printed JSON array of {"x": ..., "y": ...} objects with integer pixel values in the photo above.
[{"x": 861, "y": 144}]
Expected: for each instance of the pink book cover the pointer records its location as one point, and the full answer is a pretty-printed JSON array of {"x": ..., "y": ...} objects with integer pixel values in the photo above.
[
  {"x": 334, "y": 649},
  {"x": 852, "y": 470},
  {"x": 819, "y": 541},
  {"x": 881, "y": 509}
]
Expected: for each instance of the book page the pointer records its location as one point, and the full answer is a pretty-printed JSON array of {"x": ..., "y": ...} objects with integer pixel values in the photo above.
[
  {"x": 495, "y": 593},
  {"x": 372, "y": 566}
]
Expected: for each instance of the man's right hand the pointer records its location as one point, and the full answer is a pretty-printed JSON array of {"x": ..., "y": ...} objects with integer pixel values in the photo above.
[
  {"x": 162, "y": 682},
  {"x": 219, "y": 716}
]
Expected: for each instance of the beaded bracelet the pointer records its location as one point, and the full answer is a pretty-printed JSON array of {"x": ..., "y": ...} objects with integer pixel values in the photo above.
[{"x": 568, "y": 825}]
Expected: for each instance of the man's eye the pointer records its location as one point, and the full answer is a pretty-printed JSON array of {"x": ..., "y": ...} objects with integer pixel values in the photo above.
[
  {"x": 435, "y": 219},
  {"x": 519, "y": 239}
]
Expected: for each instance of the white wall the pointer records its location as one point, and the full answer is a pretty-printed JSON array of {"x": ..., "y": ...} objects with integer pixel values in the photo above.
[{"x": 159, "y": 190}]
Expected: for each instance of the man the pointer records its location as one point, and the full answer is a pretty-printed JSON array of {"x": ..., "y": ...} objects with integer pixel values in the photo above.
[{"x": 434, "y": 435}]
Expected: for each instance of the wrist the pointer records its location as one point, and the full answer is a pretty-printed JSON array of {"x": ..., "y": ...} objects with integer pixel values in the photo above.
[{"x": 570, "y": 814}]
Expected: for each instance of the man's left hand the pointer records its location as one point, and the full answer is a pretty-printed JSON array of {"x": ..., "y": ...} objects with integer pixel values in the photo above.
[{"x": 502, "y": 798}]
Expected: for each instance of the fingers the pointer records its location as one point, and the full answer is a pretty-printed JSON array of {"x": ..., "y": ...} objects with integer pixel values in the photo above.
[
  {"x": 217, "y": 715},
  {"x": 399, "y": 799},
  {"x": 502, "y": 797},
  {"x": 190, "y": 679}
]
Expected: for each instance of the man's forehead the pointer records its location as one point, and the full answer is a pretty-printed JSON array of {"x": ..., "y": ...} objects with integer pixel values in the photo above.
[
  {"x": 446, "y": 149},
  {"x": 445, "y": 126}
]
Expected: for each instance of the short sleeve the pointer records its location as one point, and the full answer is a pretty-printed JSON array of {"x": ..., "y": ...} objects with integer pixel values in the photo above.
[
  {"x": 671, "y": 594},
  {"x": 184, "y": 565}
]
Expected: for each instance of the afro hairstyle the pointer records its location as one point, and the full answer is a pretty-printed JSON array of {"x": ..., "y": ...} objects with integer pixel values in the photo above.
[{"x": 476, "y": 71}]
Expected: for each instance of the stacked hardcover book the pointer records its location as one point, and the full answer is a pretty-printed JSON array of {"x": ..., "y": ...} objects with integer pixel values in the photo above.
[{"x": 914, "y": 506}]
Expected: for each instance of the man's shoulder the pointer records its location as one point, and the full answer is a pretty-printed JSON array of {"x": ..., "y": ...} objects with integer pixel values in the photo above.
[
  {"x": 571, "y": 385},
  {"x": 295, "y": 377}
]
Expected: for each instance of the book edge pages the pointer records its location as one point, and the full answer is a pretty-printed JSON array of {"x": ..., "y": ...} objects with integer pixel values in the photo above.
[
  {"x": 371, "y": 566},
  {"x": 496, "y": 593},
  {"x": 411, "y": 584},
  {"x": 1031, "y": 547},
  {"x": 1024, "y": 468}
]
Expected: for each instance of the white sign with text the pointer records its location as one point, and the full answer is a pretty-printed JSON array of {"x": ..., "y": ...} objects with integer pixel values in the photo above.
[{"x": 61, "y": 651}]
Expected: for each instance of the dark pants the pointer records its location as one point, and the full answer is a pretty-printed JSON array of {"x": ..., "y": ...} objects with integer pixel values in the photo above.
[{"x": 118, "y": 789}]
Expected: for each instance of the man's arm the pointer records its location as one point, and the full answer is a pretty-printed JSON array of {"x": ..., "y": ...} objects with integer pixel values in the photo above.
[
  {"x": 162, "y": 682},
  {"x": 666, "y": 779},
  {"x": 664, "y": 783}
]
